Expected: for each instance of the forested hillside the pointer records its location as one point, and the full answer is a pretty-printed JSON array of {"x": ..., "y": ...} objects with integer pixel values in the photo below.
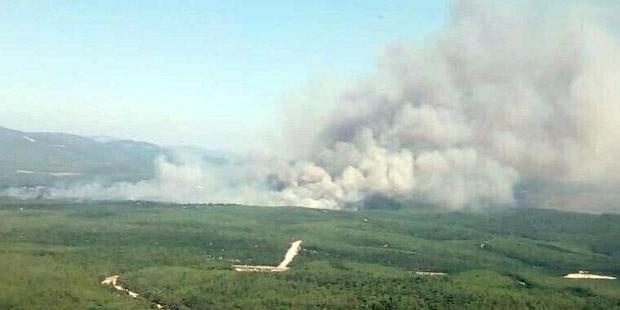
[{"x": 54, "y": 255}]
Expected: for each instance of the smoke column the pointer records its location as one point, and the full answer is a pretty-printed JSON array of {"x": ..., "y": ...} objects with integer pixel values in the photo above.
[{"x": 501, "y": 96}]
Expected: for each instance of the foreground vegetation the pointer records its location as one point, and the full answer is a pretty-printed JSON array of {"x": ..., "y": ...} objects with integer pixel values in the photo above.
[{"x": 54, "y": 255}]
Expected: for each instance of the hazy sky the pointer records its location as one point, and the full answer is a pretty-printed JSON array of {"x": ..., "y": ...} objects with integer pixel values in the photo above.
[{"x": 211, "y": 73}]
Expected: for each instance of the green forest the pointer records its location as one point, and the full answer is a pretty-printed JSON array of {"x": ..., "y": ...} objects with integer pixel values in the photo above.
[{"x": 54, "y": 255}]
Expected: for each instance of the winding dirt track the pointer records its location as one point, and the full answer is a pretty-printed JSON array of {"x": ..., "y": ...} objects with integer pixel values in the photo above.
[
  {"x": 292, "y": 252},
  {"x": 114, "y": 282}
]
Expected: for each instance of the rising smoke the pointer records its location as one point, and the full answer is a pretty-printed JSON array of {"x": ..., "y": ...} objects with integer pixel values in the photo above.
[{"x": 500, "y": 96}]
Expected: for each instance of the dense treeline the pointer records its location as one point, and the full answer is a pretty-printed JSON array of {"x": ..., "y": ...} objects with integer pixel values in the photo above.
[{"x": 53, "y": 256}]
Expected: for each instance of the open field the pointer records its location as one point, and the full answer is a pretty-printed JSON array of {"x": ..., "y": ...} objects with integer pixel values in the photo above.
[{"x": 55, "y": 255}]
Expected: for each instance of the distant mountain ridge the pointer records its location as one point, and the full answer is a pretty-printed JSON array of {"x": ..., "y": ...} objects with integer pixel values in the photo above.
[{"x": 44, "y": 158}]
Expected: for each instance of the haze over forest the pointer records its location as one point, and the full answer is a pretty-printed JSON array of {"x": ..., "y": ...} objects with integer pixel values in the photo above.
[{"x": 499, "y": 105}]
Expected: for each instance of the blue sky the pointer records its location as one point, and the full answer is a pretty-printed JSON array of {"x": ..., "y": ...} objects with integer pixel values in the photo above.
[{"x": 209, "y": 73}]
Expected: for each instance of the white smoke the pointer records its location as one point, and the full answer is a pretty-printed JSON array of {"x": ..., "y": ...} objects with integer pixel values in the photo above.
[
  {"x": 502, "y": 94},
  {"x": 499, "y": 96},
  {"x": 182, "y": 179}
]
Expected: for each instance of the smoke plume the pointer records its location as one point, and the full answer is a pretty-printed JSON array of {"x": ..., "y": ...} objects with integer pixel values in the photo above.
[{"x": 500, "y": 96}]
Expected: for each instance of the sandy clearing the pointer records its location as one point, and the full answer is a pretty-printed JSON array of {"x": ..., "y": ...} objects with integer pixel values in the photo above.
[
  {"x": 283, "y": 266},
  {"x": 113, "y": 281},
  {"x": 427, "y": 273},
  {"x": 251, "y": 268},
  {"x": 582, "y": 274},
  {"x": 290, "y": 254}
]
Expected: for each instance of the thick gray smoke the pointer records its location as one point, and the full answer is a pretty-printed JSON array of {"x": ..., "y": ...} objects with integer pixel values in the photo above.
[{"x": 500, "y": 96}]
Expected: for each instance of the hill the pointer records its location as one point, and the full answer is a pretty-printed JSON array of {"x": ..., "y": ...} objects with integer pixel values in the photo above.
[{"x": 39, "y": 158}]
